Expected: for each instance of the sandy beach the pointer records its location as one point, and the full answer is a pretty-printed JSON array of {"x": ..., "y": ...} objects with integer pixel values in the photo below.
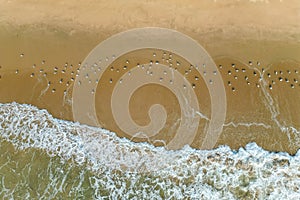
[{"x": 42, "y": 45}]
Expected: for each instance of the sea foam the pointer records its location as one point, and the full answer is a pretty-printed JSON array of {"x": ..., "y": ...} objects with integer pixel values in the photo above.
[{"x": 122, "y": 169}]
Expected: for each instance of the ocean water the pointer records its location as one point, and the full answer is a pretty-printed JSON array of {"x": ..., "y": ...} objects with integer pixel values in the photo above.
[{"x": 45, "y": 158}]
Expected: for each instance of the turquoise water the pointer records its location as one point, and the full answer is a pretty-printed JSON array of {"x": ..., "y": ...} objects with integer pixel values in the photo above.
[{"x": 45, "y": 158}]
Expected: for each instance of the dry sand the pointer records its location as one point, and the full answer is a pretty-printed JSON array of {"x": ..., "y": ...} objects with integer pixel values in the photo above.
[{"x": 37, "y": 36}]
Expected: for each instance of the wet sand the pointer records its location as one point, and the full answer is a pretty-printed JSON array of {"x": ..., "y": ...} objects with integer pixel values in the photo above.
[{"x": 42, "y": 45}]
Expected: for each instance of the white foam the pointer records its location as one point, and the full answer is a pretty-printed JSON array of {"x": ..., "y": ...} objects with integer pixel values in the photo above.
[{"x": 125, "y": 168}]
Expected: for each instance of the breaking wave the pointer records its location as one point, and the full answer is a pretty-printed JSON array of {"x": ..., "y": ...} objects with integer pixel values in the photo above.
[{"x": 43, "y": 157}]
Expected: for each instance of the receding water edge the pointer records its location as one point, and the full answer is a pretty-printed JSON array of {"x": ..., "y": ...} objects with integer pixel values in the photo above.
[{"x": 46, "y": 158}]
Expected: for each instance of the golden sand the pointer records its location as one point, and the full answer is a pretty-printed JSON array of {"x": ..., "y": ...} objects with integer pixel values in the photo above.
[{"x": 42, "y": 44}]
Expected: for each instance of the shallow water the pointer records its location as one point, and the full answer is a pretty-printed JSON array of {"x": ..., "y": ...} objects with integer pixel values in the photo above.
[{"x": 43, "y": 157}]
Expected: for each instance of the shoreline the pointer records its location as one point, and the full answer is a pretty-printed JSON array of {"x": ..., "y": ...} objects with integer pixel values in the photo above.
[{"x": 45, "y": 37}]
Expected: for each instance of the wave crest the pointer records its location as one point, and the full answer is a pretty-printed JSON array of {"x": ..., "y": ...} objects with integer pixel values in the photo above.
[{"x": 123, "y": 169}]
